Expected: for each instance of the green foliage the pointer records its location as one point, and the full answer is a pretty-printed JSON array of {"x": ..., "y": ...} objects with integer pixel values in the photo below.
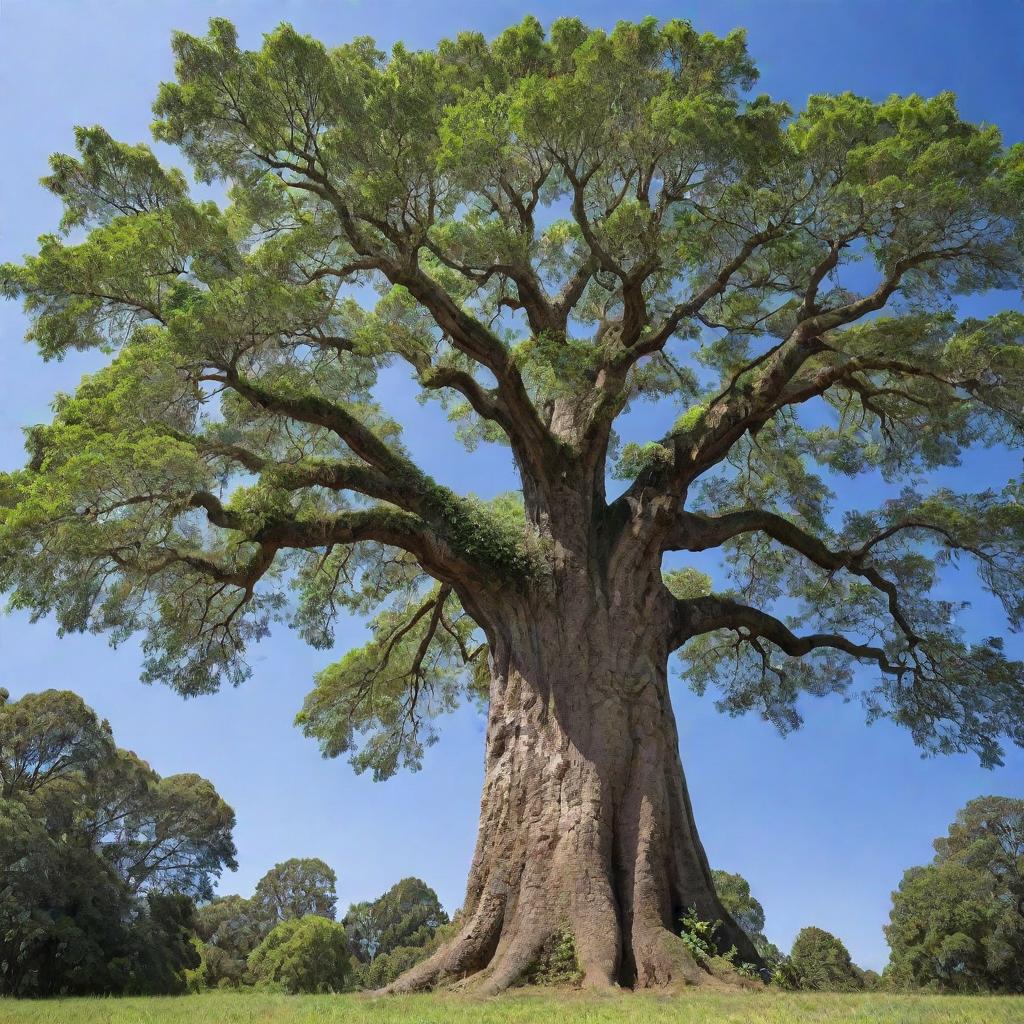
[
  {"x": 407, "y": 915},
  {"x": 699, "y": 935},
  {"x": 64, "y": 913},
  {"x": 161, "y": 951},
  {"x": 230, "y": 927},
  {"x": 822, "y": 962},
  {"x": 785, "y": 976},
  {"x": 635, "y": 459},
  {"x": 555, "y": 224},
  {"x": 300, "y": 887},
  {"x": 957, "y": 925},
  {"x": 161, "y": 834},
  {"x": 733, "y": 891},
  {"x": 686, "y": 583},
  {"x": 701, "y": 938},
  {"x": 306, "y": 954},
  {"x": 101, "y": 856},
  {"x": 379, "y": 702},
  {"x": 557, "y": 963},
  {"x": 387, "y": 967}
]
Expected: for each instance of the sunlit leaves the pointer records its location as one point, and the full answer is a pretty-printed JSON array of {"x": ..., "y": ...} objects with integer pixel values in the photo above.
[{"x": 378, "y": 703}]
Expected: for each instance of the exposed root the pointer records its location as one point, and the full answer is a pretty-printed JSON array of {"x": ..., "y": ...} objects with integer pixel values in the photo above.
[
  {"x": 511, "y": 963},
  {"x": 585, "y": 829},
  {"x": 663, "y": 960},
  {"x": 466, "y": 954}
]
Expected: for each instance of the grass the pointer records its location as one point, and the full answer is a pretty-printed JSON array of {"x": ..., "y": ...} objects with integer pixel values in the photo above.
[{"x": 522, "y": 1008}]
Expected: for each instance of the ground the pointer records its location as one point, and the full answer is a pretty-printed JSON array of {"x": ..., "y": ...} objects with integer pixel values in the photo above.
[{"x": 523, "y": 1008}]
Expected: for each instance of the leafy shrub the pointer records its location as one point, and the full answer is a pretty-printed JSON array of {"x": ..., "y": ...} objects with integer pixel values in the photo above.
[
  {"x": 385, "y": 968},
  {"x": 823, "y": 963},
  {"x": 785, "y": 975},
  {"x": 699, "y": 936},
  {"x": 557, "y": 964},
  {"x": 307, "y": 954}
]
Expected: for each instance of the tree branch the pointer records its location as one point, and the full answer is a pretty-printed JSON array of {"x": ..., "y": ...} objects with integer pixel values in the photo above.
[{"x": 699, "y": 615}]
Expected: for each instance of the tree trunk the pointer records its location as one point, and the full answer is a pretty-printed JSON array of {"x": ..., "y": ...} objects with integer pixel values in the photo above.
[{"x": 585, "y": 821}]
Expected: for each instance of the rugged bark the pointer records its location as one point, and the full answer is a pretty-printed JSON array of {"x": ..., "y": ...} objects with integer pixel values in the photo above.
[{"x": 585, "y": 821}]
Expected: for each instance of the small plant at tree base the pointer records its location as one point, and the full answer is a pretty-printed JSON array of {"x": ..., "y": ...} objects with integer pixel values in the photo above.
[
  {"x": 701, "y": 938},
  {"x": 699, "y": 935},
  {"x": 557, "y": 964}
]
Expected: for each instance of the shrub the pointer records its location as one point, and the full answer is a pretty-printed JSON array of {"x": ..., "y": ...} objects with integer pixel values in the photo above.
[
  {"x": 307, "y": 954},
  {"x": 557, "y": 963},
  {"x": 823, "y": 963}
]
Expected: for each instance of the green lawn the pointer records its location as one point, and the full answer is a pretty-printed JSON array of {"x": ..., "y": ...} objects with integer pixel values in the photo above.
[{"x": 521, "y": 1008}]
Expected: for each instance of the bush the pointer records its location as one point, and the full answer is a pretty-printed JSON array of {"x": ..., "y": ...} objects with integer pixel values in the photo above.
[
  {"x": 308, "y": 954},
  {"x": 385, "y": 968},
  {"x": 700, "y": 937},
  {"x": 557, "y": 963},
  {"x": 822, "y": 962}
]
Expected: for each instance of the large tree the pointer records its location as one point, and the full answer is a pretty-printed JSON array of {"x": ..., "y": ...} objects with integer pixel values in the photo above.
[
  {"x": 295, "y": 888},
  {"x": 407, "y": 914},
  {"x": 957, "y": 924},
  {"x": 544, "y": 229},
  {"x": 100, "y": 857}
]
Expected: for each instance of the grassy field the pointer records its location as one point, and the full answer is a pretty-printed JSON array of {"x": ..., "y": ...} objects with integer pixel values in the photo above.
[{"x": 525, "y": 1008}]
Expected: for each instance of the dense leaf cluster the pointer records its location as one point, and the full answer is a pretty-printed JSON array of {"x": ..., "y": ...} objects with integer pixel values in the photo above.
[
  {"x": 542, "y": 229},
  {"x": 100, "y": 858},
  {"x": 957, "y": 924}
]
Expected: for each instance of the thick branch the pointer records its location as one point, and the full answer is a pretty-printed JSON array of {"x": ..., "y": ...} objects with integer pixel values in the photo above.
[
  {"x": 696, "y": 532},
  {"x": 695, "y": 616}
]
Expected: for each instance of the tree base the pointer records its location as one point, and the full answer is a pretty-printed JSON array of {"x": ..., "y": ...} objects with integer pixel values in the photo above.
[
  {"x": 585, "y": 830},
  {"x": 663, "y": 962}
]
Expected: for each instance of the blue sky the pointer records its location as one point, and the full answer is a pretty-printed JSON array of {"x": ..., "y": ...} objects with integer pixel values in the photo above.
[{"x": 823, "y": 822}]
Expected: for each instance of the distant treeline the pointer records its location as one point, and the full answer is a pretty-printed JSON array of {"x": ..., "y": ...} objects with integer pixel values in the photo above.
[{"x": 107, "y": 874}]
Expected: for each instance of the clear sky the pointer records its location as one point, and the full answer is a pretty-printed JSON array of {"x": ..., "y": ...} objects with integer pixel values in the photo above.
[{"x": 823, "y": 822}]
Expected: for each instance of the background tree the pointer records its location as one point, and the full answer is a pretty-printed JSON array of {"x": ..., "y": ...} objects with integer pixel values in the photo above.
[
  {"x": 823, "y": 963},
  {"x": 958, "y": 924},
  {"x": 100, "y": 858},
  {"x": 556, "y": 226},
  {"x": 988, "y": 834},
  {"x": 306, "y": 954},
  {"x": 734, "y": 892},
  {"x": 230, "y": 928},
  {"x": 407, "y": 914},
  {"x": 171, "y": 834},
  {"x": 295, "y": 888}
]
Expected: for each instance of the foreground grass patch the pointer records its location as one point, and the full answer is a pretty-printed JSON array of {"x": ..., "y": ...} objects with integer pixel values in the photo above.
[{"x": 522, "y": 1008}]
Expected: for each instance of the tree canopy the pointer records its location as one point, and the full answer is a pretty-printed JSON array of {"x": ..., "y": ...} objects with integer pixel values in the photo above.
[
  {"x": 57, "y": 759},
  {"x": 100, "y": 857},
  {"x": 407, "y": 914},
  {"x": 744, "y": 908},
  {"x": 231, "y": 927},
  {"x": 296, "y": 888},
  {"x": 544, "y": 228},
  {"x": 957, "y": 924}
]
